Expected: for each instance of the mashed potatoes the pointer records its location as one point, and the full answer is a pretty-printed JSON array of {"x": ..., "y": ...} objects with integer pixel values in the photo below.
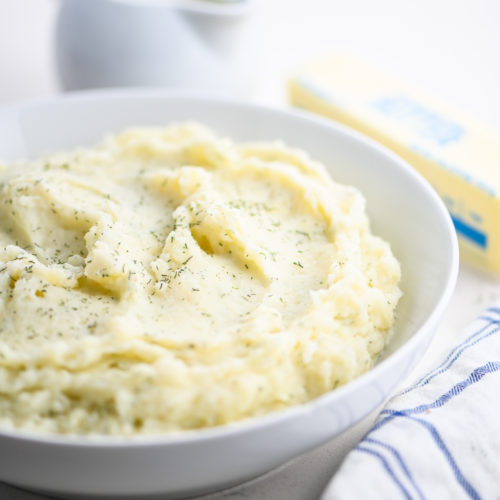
[{"x": 169, "y": 279}]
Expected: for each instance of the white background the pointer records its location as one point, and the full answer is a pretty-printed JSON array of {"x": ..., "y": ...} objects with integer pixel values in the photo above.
[{"x": 451, "y": 48}]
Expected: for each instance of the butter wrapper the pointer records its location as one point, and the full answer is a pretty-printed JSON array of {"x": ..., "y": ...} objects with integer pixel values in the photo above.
[{"x": 459, "y": 157}]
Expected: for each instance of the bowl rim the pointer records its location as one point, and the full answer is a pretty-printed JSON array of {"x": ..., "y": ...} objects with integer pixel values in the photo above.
[{"x": 257, "y": 423}]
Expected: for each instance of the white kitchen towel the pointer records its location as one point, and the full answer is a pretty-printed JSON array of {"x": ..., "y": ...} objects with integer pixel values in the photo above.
[{"x": 439, "y": 438}]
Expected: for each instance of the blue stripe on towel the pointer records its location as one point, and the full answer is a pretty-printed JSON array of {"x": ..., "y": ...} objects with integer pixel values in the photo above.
[
  {"x": 393, "y": 460},
  {"x": 387, "y": 468},
  {"x": 494, "y": 310},
  {"x": 475, "y": 376},
  {"x": 400, "y": 461},
  {"x": 462, "y": 481},
  {"x": 454, "y": 354}
]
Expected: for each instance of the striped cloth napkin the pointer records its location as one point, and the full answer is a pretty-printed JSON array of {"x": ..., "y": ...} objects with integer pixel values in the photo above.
[{"x": 439, "y": 438}]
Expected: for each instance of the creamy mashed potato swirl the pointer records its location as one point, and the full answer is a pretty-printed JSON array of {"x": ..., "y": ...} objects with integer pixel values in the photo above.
[{"x": 170, "y": 279}]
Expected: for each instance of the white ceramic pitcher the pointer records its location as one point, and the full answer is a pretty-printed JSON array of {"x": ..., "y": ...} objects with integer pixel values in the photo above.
[{"x": 199, "y": 45}]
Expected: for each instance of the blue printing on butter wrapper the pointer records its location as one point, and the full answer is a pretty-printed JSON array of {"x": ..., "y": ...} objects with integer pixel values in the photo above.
[
  {"x": 469, "y": 232},
  {"x": 426, "y": 123},
  {"x": 464, "y": 228},
  {"x": 448, "y": 131},
  {"x": 431, "y": 126}
]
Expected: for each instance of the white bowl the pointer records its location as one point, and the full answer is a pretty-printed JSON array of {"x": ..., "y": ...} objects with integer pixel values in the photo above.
[{"x": 404, "y": 210}]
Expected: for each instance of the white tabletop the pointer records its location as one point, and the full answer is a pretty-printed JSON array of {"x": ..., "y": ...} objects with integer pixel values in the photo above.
[{"x": 447, "y": 47}]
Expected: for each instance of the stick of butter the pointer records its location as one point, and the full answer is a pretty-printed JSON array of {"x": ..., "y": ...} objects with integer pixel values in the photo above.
[{"x": 459, "y": 157}]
